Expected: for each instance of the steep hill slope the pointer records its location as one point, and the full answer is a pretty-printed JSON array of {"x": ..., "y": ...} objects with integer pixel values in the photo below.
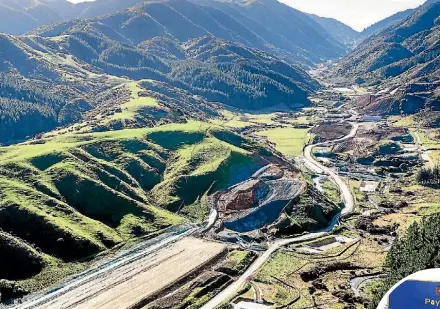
[
  {"x": 264, "y": 24},
  {"x": 385, "y": 23},
  {"x": 20, "y": 16},
  {"x": 41, "y": 88},
  {"x": 283, "y": 30},
  {"x": 52, "y": 81},
  {"x": 339, "y": 30},
  {"x": 405, "y": 59},
  {"x": 389, "y": 21},
  {"x": 71, "y": 195}
]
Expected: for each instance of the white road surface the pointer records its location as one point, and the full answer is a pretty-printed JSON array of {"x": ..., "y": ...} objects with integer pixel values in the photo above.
[
  {"x": 232, "y": 289},
  {"x": 318, "y": 167},
  {"x": 39, "y": 301},
  {"x": 425, "y": 152}
]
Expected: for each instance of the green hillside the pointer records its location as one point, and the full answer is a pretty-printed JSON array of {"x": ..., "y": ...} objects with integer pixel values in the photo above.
[
  {"x": 73, "y": 195},
  {"x": 54, "y": 81}
]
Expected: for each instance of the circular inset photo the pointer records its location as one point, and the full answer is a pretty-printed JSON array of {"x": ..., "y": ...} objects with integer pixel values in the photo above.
[{"x": 419, "y": 290}]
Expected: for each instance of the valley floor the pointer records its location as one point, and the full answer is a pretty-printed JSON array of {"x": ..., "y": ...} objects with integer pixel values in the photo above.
[{"x": 215, "y": 265}]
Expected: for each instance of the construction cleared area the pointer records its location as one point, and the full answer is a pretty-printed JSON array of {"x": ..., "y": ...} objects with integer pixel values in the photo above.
[
  {"x": 306, "y": 224},
  {"x": 129, "y": 285}
]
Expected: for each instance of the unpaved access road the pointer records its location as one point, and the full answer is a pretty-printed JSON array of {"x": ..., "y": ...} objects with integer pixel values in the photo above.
[
  {"x": 423, "y": 150},
  {"x": 347, "y": 196},
  {"x": 358, "y": 282},
  {"x": 130, "y": 284},
  {"x": 318, "y": 167}
]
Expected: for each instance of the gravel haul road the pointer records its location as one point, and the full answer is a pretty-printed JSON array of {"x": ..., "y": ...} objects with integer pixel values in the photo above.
[
  {"x": 126, "y": 283},
  {"x": 318, "y": 167},
  {"x": 347, "y": 196}
]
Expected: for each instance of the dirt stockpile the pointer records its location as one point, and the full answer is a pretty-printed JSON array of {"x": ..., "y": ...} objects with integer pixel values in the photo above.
[
  {"x": 331, "y": 130},
  {"x": 281, "y": 193},
  {"x": 367, "y": 138},
  {"x": 243, "y": 196},
  {"x": 259, "y": 201}
]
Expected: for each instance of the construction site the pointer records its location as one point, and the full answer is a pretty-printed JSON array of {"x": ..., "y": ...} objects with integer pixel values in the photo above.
[{"x": 310, "y": 228}]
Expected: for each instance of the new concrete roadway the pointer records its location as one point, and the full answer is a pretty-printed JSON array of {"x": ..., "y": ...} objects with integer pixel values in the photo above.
[
  {"x": 347, "y": 196},
  {"x": 132, "y": 255}
]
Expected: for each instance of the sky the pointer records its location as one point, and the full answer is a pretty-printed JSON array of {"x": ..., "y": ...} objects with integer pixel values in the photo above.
[{"x": 358, "y": 14}]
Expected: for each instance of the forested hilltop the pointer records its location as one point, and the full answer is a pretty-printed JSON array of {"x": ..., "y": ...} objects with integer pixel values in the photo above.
[
  {"x": 264, "y": 24},
  {"x": 53, "y": 78},
  {"x": 405, "y": 60}
]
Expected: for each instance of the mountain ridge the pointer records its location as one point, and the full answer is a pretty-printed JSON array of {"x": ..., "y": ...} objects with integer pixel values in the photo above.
[
  {"x": 243, "y": 18},
  {"x": 341, "y": 31},
  {"x": 405, "y": 59},
  {"x": 72, "y": 60},
  {"x": 390, "y": 21}
]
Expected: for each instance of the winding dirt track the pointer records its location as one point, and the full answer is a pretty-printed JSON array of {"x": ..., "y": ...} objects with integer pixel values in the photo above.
[
  {"x": 343, "y": 187},
  {"x": 347, "y": 196}
]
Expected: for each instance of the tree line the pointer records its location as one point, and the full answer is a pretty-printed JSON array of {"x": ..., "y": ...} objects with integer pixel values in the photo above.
[
  {"x": 429, "y": 176},
  {"x": 417, "y": 250}
]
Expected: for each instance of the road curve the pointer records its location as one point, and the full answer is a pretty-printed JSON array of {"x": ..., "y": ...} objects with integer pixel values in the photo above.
[
  {"x": 347, "y": 196},
  {"x": 357, "y": 282},
  {"x": 343, "y": 187}
]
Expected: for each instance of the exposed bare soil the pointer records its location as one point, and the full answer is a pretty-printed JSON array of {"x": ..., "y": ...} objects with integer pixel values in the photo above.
[
  {"x": 367, "y": 138},
  {"x": 332, "y": 130},
  {"x": 129, "y": 284}
]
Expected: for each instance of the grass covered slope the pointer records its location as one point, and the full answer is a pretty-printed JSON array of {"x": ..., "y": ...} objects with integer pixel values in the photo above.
[
  {"x": 288, "y": 141},
  {"x": 73, "y": 195},
  {"x": 58, "y": 80},
  {"x": 15, "y": 251}
]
